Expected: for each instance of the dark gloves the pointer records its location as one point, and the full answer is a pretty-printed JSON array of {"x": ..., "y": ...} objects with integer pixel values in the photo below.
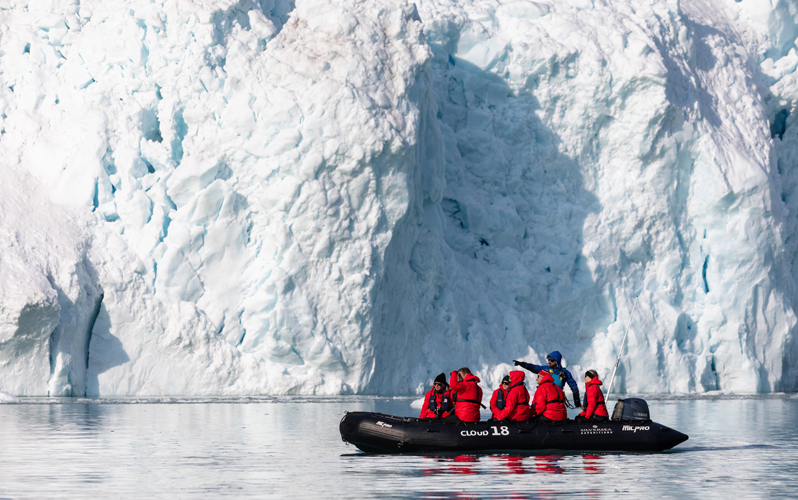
[{"x": 516, "y": 362}]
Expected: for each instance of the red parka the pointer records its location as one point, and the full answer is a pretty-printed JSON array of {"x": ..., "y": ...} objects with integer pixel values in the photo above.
[
  {"x": 469, "y": 397},
  {"x": 427, "y": 412},
  {"x": 517, "y": 405},
  {"x": 549, "y": 399},
  {"x": 495, "y": 398},
  {"x": 595, "y": 400}
]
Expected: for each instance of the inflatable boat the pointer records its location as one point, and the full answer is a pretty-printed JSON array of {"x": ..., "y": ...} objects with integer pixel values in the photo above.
[{"x": 630, "y": 429}]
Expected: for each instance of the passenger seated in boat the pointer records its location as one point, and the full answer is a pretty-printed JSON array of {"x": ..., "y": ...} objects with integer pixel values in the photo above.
[
  {"x": 439, "y": 401},
  {"x": 559, "y": 374},
  {"x": 595, "y": 407},
  {"x": 516, "y": 406},
  {"x": 548, "y": 405},
  {"x": 499, "y": 398},
  {"x": 469, "y": 396}
]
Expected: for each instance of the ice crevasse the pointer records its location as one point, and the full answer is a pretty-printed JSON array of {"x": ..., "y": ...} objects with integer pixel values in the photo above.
[{"x": 341, "y": 196}]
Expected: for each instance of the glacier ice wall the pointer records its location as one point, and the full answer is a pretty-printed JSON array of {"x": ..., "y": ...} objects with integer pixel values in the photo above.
[{"x": 320, "y": 197}]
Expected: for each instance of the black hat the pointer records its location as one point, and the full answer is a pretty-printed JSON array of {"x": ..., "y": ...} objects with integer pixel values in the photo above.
[
  {"x": 506, "y": 379},
  {"x": 441, "y": 379}
]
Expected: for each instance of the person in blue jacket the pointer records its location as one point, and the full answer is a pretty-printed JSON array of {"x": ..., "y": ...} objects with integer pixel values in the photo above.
[{"x": 558, "y": 373}]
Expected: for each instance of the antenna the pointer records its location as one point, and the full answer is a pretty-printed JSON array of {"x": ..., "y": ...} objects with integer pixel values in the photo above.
[{"x": 609, "y": 390}]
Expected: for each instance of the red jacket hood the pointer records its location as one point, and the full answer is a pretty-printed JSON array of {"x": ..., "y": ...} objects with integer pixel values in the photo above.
[
  {"x": 517, "y": 376},
  {"x": 470, "y": 377},
  {"x": 546, "y": 377},
  {"x": 594, "y": 381}
]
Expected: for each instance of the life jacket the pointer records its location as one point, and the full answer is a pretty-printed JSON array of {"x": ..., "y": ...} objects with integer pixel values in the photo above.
[
  {"x": 594, "y": 400},
  {"x": 558, "y": 375},
  {"x": 562, "y": 400},
  {"x": 500, "y": 397},
  {"x": 550, "y": 405},
  {"x": 516, "y": 401},
  {"x": 600, "y": 399},
  {"x": 469, "y": 396},
  {"x": 448, "y": 400}
]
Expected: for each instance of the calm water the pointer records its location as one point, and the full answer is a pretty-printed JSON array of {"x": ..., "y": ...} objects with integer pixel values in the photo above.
[{"x": 283, "y": 447}]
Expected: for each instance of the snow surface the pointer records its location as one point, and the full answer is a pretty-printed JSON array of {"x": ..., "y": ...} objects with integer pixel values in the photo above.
[
  {"x": 8, "y": 398},
  {"x": 341, "y": 196}
]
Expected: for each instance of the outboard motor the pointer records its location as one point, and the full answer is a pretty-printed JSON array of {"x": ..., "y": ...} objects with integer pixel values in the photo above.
[{"x": 631, "y": 410}]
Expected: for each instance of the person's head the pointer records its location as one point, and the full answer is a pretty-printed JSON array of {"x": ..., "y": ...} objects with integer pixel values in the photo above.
[
  {"x": 540, "y": 378},
  {"x": 461, "y": 373},
  {"x": 554, "y": 358},
  {"x": 590, "y": 375},
  {"x": 506, "y": 382},
  {"x": 440, "y": 383}
]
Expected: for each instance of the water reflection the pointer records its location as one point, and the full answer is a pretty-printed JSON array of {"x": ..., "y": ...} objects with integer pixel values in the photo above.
[
  {"x": 461, "y": 464},
  {"x": 592, "y": 464},
  {"x": 549, "y": 464},
  {"x": 266, "y": 449},
  {"x": 511, "y": 464}
]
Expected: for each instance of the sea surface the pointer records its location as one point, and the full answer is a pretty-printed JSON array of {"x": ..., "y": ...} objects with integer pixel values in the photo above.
[{"x": 282, "y": 447}]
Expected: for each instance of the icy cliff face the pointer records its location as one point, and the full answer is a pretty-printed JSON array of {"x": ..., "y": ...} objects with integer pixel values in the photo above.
[{"x": 343, "y": 196}]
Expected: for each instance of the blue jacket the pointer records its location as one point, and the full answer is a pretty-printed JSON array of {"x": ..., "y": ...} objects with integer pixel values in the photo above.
[{"x": 558, "y": 373}]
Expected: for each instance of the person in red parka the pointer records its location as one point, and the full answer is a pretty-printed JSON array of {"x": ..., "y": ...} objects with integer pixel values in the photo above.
[
  {"x": 549, "y": 402},
  {"x": 517, "y": 406},
  {"x": 469, "y": 396},
  {"x": 439, "y": 401},
  {"x": 595, "y": 407},
  {"x": 499, "y": 398}
]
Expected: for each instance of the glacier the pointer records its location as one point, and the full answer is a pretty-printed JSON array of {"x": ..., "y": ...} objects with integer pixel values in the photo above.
[{"x": 246, "y": 197}]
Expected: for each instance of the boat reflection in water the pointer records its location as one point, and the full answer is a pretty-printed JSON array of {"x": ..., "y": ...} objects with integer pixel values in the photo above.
[
  {"x": 461, "y": 464},
  {"x": 511, "y": 464},
  {"x": 593, "y": 464},
  {"x": 549, "y": 464},
  {"x": 500, "y": 464}
]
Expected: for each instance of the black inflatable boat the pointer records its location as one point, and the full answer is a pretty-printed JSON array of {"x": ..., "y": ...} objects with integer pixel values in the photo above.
[{"x": 630, "y": 429}]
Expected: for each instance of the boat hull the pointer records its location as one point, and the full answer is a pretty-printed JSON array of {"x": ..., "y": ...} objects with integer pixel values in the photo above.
[{"x": 380, "y": 433}]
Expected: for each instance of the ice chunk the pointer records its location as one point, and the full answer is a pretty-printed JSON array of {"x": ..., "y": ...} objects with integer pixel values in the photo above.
[
  {"x": 525, "y": 10},
  {"x": 8, "y": 398}
]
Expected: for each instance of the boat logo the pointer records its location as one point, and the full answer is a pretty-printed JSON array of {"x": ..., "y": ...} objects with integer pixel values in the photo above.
[
  {"x": 474, "y": 433},
  {"x": 497, "y": 431},
  {"x": 635, "y": 428},
  {"x": 383, "y": 424},
  {"x": 596, "y": 430}
]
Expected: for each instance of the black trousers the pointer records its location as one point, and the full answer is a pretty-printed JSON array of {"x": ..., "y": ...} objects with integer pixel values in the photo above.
[{"x": 455, "y": 418}]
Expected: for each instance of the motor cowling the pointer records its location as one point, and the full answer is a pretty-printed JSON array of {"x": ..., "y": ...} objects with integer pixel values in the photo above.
[{"x": 631, "y": 410}]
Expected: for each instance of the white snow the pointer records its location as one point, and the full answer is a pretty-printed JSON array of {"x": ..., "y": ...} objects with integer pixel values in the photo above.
[
  {"x": 8, "y": 398},
  {"x": 321, "y": 197}
]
